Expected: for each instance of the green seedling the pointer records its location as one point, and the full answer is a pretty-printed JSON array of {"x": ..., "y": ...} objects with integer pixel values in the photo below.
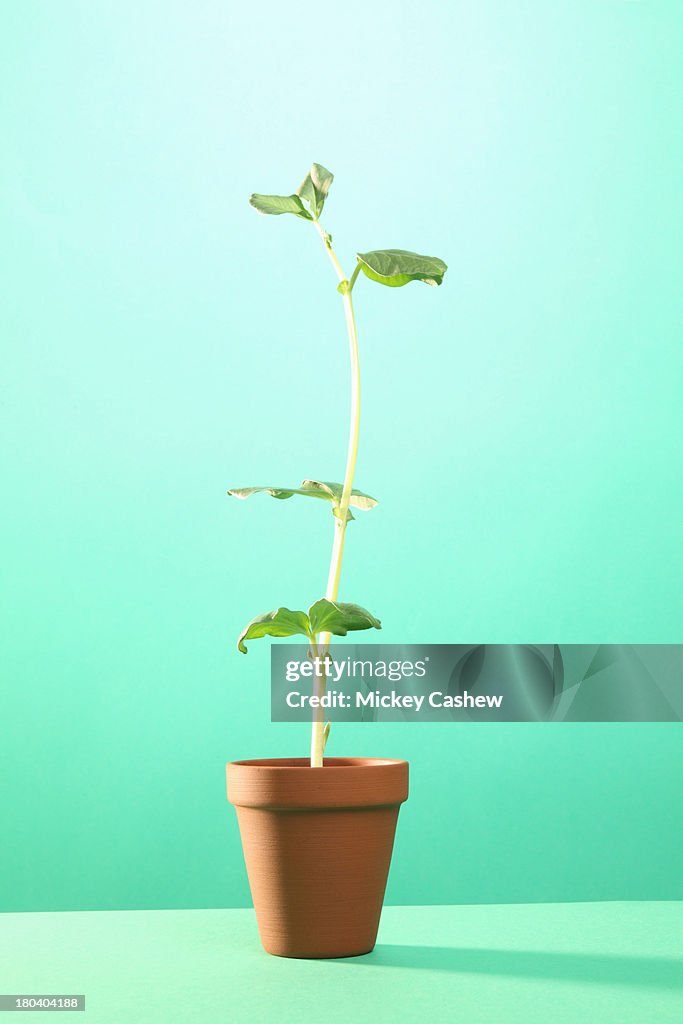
[{"x": 328, "y": 616}]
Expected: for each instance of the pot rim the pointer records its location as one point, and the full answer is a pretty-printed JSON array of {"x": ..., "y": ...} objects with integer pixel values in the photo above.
[
  {"x": 303, "y": 763},
  {"x": 289, "y": 783}
]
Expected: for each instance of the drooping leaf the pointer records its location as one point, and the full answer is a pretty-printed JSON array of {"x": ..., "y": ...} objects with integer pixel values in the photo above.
[
  {"x": 275, "y": 205},
  {"x": 276, "y": 492},
  {"x": 281, "y": 622},
  {"x": 358, "y": 499},
  {"x": 339, "y": 618},
  {"x": 315, "y": 187},
  {"x": 396, "y": 267},
  {"x": 331, "y": 492}
]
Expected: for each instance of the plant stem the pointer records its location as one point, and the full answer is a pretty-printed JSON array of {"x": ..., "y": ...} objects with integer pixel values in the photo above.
[
  {"x": 318, "y": 729},
  {"x": 318, "y": 723},
  {"x": 354, "y": 275},
  {"x": 327, "y": 242}
]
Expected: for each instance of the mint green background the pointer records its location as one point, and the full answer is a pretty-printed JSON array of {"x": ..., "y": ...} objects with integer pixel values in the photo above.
[{"x": 522, "y": 424}]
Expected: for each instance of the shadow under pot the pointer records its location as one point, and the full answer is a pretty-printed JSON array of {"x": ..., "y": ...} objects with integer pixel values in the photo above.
[{"x": 317, "y": 845}]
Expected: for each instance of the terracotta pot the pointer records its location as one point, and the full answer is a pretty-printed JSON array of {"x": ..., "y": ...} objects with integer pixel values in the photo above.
[{"x": 317, "y": 844}]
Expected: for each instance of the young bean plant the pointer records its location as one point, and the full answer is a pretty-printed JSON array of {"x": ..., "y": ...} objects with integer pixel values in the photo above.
[{"x": 328, "y": 616}]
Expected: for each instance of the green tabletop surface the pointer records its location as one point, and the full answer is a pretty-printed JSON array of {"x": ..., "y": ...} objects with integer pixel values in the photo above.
[{"x": 550, "y": 963}]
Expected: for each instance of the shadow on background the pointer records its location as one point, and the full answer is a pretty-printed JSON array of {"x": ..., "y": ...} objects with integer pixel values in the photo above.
[{"x": 583, "y": 967}]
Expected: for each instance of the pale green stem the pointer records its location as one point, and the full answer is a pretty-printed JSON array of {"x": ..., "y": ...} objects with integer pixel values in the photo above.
[
  {"x": 354, "y": 275},
  {"x": 318, "y": 730}
]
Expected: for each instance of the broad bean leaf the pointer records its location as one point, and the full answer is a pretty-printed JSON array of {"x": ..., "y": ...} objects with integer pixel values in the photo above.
[
  {"x": 338, "y": 618},
  {"x": 396, "y": 267},
  {"x": 358, "y": 499},
  {"x": 315, "y": 187},
  {"x": 323, "y": 617},
  {"x": 331, "y": 492},
  {"x": 275, "y": 205},
  {"x": 281, "y": 622}
]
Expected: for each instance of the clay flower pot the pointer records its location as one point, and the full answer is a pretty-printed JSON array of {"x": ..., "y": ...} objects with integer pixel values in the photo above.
[{"x": 317, "y": 844}]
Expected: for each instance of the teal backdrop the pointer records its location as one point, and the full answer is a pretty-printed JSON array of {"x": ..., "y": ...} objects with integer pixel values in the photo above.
[{"x": 521, "y": 424}]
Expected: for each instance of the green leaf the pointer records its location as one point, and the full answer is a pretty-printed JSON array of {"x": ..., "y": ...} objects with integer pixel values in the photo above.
[
  {"x": 276, "y": 205},
  {"x": 281, "y": 622},
  {"x": 323, "y": 617},
  {"x": 276, "y": 492},
  {"x": 333, "y": 492},
  {"x": 396, "y": 267},
  {"x": 310, "y": 489},
  {"x": 337, "y": 618},
  {"x": 315, "y": 186}
]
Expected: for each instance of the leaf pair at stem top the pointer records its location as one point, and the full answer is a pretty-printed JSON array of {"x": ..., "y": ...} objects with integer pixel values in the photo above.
[
  {"x": 313, "y": 189},
  {"x": 391, "y": 267}
]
